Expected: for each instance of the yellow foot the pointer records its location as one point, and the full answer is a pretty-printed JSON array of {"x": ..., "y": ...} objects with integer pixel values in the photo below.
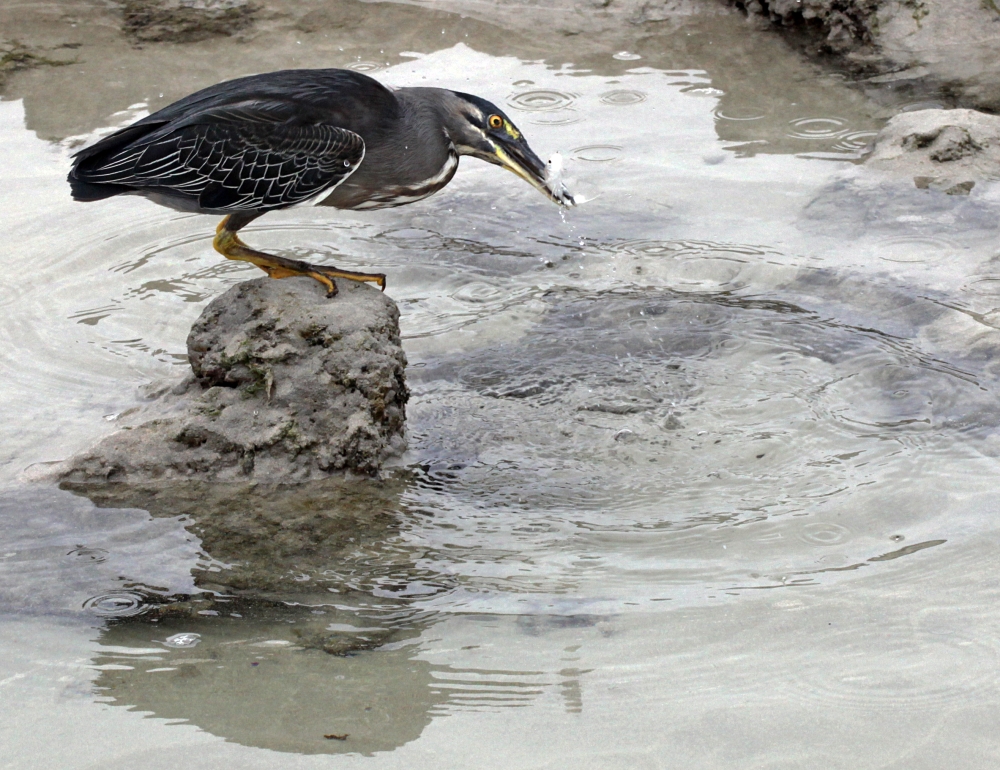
[{"x": 230, "y": 246}]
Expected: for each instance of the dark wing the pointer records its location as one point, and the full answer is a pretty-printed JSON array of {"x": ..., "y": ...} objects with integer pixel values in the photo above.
[{"x": 246, "y": 157}]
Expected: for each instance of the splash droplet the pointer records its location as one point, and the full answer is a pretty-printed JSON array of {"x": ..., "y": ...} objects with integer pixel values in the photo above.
[{"x": 182, "y": 641}]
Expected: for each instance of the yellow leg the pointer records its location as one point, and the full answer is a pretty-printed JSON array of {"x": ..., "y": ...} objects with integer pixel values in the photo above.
[{"x": 228, "y": 244}]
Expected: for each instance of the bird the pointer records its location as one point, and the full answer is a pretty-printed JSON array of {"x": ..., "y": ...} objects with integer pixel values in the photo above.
[{"x": 328, "y": 137}]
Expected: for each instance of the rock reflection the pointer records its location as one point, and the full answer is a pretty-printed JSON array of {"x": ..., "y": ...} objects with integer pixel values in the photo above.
[
  {"x": 255, "y": 680},
  {"x": 299, "y": 630}
]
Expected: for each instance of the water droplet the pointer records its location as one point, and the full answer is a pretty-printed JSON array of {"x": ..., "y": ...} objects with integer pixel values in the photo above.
[{"x": 182, "y": 641}]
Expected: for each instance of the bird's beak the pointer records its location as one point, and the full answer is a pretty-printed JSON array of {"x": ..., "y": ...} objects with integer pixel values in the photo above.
[{"x": 518, "y": 157}]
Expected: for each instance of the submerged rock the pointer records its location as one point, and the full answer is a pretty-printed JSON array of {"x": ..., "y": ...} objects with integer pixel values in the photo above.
[
  {"x": 949, "y": 150},
  {"x": 184, "y": 21},
  {"x": 286, "y": 385}
]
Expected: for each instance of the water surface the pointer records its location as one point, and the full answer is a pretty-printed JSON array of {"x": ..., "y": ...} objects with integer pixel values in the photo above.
[{"x": 701, "y": 473}]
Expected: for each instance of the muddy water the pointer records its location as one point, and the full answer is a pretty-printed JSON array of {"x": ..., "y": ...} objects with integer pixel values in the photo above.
[{"x": 701, "y": 473}]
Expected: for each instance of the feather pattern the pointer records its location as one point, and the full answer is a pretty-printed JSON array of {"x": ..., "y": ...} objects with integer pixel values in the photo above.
[{"x": 245, "y": 157}]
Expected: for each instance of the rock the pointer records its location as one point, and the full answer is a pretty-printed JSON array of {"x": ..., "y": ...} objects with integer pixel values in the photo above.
[
  {"x": 953, "y": 44},
  {"x": 949, "y": 150},
  {"x": 184, "y": 21},
  {"x": 844, "y": 23},
  {"x": 287, "y": 385},
  {"x": 14, "y": 57}
]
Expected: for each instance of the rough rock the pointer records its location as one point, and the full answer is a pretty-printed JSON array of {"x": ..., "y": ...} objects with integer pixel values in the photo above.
[
  {"x": 286, "y": 386},
  {"x": 951, "y": 44},
  {"x": 949, "y": 150},
  {"x": 184, "y": 21}
]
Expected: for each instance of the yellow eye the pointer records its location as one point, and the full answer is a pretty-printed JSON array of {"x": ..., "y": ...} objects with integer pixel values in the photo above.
[{"x": 496, "y": 121}]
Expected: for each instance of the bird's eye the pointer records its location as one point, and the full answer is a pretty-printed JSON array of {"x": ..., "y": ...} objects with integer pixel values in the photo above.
[{"x": 496, "y": 121}]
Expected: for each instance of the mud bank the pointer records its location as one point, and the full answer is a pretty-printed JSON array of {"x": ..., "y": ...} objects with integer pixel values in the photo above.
[
  {"x": 949, "y": 44},
  {"x": 286, "y": 385},
  {"x": 948, "y": 150}
]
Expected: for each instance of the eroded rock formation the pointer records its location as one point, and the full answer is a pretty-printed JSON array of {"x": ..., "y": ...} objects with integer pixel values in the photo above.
[
  {"x": 286, "y": 385},
  {"x": 949, "y": 150}
]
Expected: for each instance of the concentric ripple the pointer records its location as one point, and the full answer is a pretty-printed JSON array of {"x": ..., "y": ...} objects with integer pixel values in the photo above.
[
  {"x": 896, "y": 669},
  {"x": 817, "y": 128},
  {"x": 623, "y": 97},
  {"x": 541, "y": 100},
  {"x": 855, "y": 141},
  {"x": 824, "y": 533},
  {"x": 598, "y": 153},
  {"x": 117, "y": 604},
  {"x": 478, "y": 292},
  {"x": 364, "y": 66},
  {"x": 670, "y": 414},
  {"x": 914, "y": 248},
  {"x": 739, "y": 116}
]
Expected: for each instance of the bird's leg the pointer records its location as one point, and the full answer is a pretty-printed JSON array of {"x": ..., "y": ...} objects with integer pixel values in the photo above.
[{"x": 229, "y": 245}]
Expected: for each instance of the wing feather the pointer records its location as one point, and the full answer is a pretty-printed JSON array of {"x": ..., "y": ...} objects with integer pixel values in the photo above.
[{"x": 237, "y": 158}]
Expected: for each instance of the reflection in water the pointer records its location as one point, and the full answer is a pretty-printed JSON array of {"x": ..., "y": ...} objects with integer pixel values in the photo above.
[
  {"x": 251, "y": 681},
  {"x": 300, "y": 627}
]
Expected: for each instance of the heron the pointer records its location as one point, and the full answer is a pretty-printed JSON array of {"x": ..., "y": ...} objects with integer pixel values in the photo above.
[{"x": 328, "y": 137}]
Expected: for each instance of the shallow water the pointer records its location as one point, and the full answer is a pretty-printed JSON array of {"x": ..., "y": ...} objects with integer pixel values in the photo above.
[{"x": 701, "y": 473}]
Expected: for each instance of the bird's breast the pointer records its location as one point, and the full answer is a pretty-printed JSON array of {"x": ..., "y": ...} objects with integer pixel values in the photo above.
[{"x": 360, "y": 196}]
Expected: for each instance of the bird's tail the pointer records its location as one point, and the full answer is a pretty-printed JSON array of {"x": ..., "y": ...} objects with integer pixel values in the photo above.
[{"x": 88, "y": 191}]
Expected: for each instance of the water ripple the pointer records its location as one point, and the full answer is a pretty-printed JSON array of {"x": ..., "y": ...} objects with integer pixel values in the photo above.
[
  {"x": 914, "y": 248},
  {"x": 364, "y": 66},
  {"x": 855, "y": 141},
  {"x": 896, "y": 669},
  {"x": 541, "y": 100},
  {"x": 117, "y": 604},
  {"x": 817, "y": 128},
  {"x": 623, "y": 97},
  {"x": 598, "y": 153}
]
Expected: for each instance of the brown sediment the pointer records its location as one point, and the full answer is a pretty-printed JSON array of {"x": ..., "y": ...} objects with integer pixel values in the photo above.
[{"x": 185, "y": 21}]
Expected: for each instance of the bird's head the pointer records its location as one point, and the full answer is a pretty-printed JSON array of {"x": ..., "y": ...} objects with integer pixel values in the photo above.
[{"x": 481, "y": 129}]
